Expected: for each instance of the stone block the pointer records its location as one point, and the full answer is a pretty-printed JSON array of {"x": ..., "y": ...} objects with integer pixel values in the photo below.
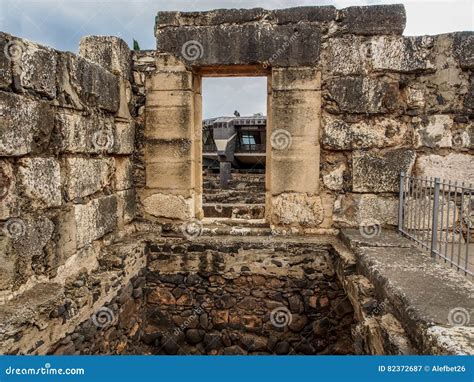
[
  {"x": 83, "y": 83},
  {"x": 27, "y": 251},
  {"x": 347, "y": 55},
  {"x": 36, "y": 68},
  {"x": 8, "y": 197},
  {"x": 169, "y": 123},
  {"x": 298, "y": 174},
  {"x": 177, "y": 175},
  {"x": 86, "y": 176},
  {"x": 126, "y": 206},
  {"x": 95, "y": 219},
  {"x": 433, "y": 131},
  {"x": 125, "y": 100},
  {"x": 452, "y": 167},
  {"x": 168, "y": 80},
  {"x": 296, "y": 79},
  {"x": 373, "y": 20},
  {"x": 5, "y": 62},
  {"x": 463, "y": 49},
  {"x": 298, "y": 112},
  {"x": 297, "y": 209},
  {"x": 40, "y": 179},
  {"x": 368, "y": 133},
  {"x": 353, "y": 210},
  {"x": 297, "y": 15},
  {"x": 363, "y": 95},
  {"x": 277, "y": 45},
  {"x": 89, "y": 134},
  {"x": 124, "y": 138},
  {"x": 380, "y": 172},
  {"x": 110, "y": 52},
  {"x": 170, "y": 99},
  {"x": 168, "y": 206},
  {"x": 26, "y": 125},
  {"x": 168, "y": 150},
  {"x": 123, "y": 173},
  {"x": 402, "y": 54}
]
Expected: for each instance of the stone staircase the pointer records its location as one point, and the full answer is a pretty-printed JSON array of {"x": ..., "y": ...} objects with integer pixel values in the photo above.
[{"x": 243, "y": 199}]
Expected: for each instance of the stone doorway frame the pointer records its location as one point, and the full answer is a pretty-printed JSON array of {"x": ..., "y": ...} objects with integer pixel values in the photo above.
[{"x": 173, "y": 141}]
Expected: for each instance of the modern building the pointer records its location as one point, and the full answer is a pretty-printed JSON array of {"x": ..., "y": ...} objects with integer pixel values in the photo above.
[{"x": 234, "y": 143}]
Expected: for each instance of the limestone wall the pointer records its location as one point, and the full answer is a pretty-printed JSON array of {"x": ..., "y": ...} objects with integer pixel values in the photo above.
[
  {"x": 354, "y": 101},
  {"x": 66, "y": 187}
]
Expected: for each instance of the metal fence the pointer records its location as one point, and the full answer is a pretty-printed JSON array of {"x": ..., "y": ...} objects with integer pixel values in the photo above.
[{"x": 439, "y": 216}]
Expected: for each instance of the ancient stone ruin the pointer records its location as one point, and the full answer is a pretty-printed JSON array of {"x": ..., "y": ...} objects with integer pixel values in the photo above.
[{"x": 105, "y": 247}]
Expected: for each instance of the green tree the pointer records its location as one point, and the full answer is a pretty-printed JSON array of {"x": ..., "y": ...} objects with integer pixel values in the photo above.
[{"x": 136, "y": 46}]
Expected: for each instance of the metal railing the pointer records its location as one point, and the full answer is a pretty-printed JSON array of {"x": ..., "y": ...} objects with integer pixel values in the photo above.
[
  {"x": 439, "y": 216},
  {"x": 254, "y": 147}
]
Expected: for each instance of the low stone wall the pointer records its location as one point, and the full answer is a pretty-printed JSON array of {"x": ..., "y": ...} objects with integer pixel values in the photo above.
[
  {"x": 66, "y": 186},
  {"x": 260, "y": 297}
]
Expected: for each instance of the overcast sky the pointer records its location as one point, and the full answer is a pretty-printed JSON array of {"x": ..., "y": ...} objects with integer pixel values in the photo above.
[{"x": 61, "y": 24}]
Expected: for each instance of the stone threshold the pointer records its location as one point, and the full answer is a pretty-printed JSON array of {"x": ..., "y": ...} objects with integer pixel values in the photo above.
[{"x": 427, "y": 298}]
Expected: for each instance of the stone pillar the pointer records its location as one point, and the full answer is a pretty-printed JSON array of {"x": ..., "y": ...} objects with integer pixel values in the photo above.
[
  {"x": 224, "y": 173},
  {"x": 293, "y": 149},
  {"x": 171, "y": 142}
]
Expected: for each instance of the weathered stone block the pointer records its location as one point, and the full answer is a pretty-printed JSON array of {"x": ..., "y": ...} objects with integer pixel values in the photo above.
[
  {"x": 278, "y": 45},
  {"x": 124, "y": 141},
  {"x": 297, "y": 112},
  {"x": 352, "y": 210},
  {"x": 296, "y": 79},
  {"x": 36, "y": 68},
  {"x": 110, "y": 52},
  {"x": 295, "y": 175},
  {"x": 433, "y": 131},
  {"x": 86, "y": 176},
  {"x": 363, "y": 95},
  {"x": 123, "y": 173},
  {"x": 168, "y": 206},
  {"x": 25, "y": 125},
  {"x": 373, "y": 20},
  {"x": 8, "y": 198},
  {"x": 402, "y": 54},
  {"x": 77, "y": 133},
  {"x": 452, "y": 167},
  {"x": 304, "y": 14},
  {"x": 369, "y": 133},
  {"x": 5, "y": 63},
  {"x": 347, "y": 55},
  {"x": 177, "y": 175},
  {"x": 169, "y": 123},
  {"x": 82, "y": 82},
  {"x": 95, "y": 219},
  {"x": 126, "y": 206},
  {"x": 463, "y": 48},
  {"x": 297, "y": 209},
  {"x": 168, "y": 80},
  {"x": 41, "y": 180},
  {"x": 380, "y": 172}
]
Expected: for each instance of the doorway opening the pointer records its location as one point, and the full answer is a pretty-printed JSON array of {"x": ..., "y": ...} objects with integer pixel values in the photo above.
[{"x": 234, "y": 147}]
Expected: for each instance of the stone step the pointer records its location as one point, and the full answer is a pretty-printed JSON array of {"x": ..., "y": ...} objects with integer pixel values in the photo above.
[
  {"x": 226, "y": 230},
  {"x": 242, "y": 211}
]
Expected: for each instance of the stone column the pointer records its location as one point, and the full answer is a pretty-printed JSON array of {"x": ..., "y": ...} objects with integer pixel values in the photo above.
[
  {"x": 171, "y": 141},
  {"x": 293, "y": 148}
]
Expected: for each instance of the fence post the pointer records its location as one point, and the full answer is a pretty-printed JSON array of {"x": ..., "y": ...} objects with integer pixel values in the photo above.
[
  {"x": 401, "y": 202},
  {"x": 434, "y": 225}
]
